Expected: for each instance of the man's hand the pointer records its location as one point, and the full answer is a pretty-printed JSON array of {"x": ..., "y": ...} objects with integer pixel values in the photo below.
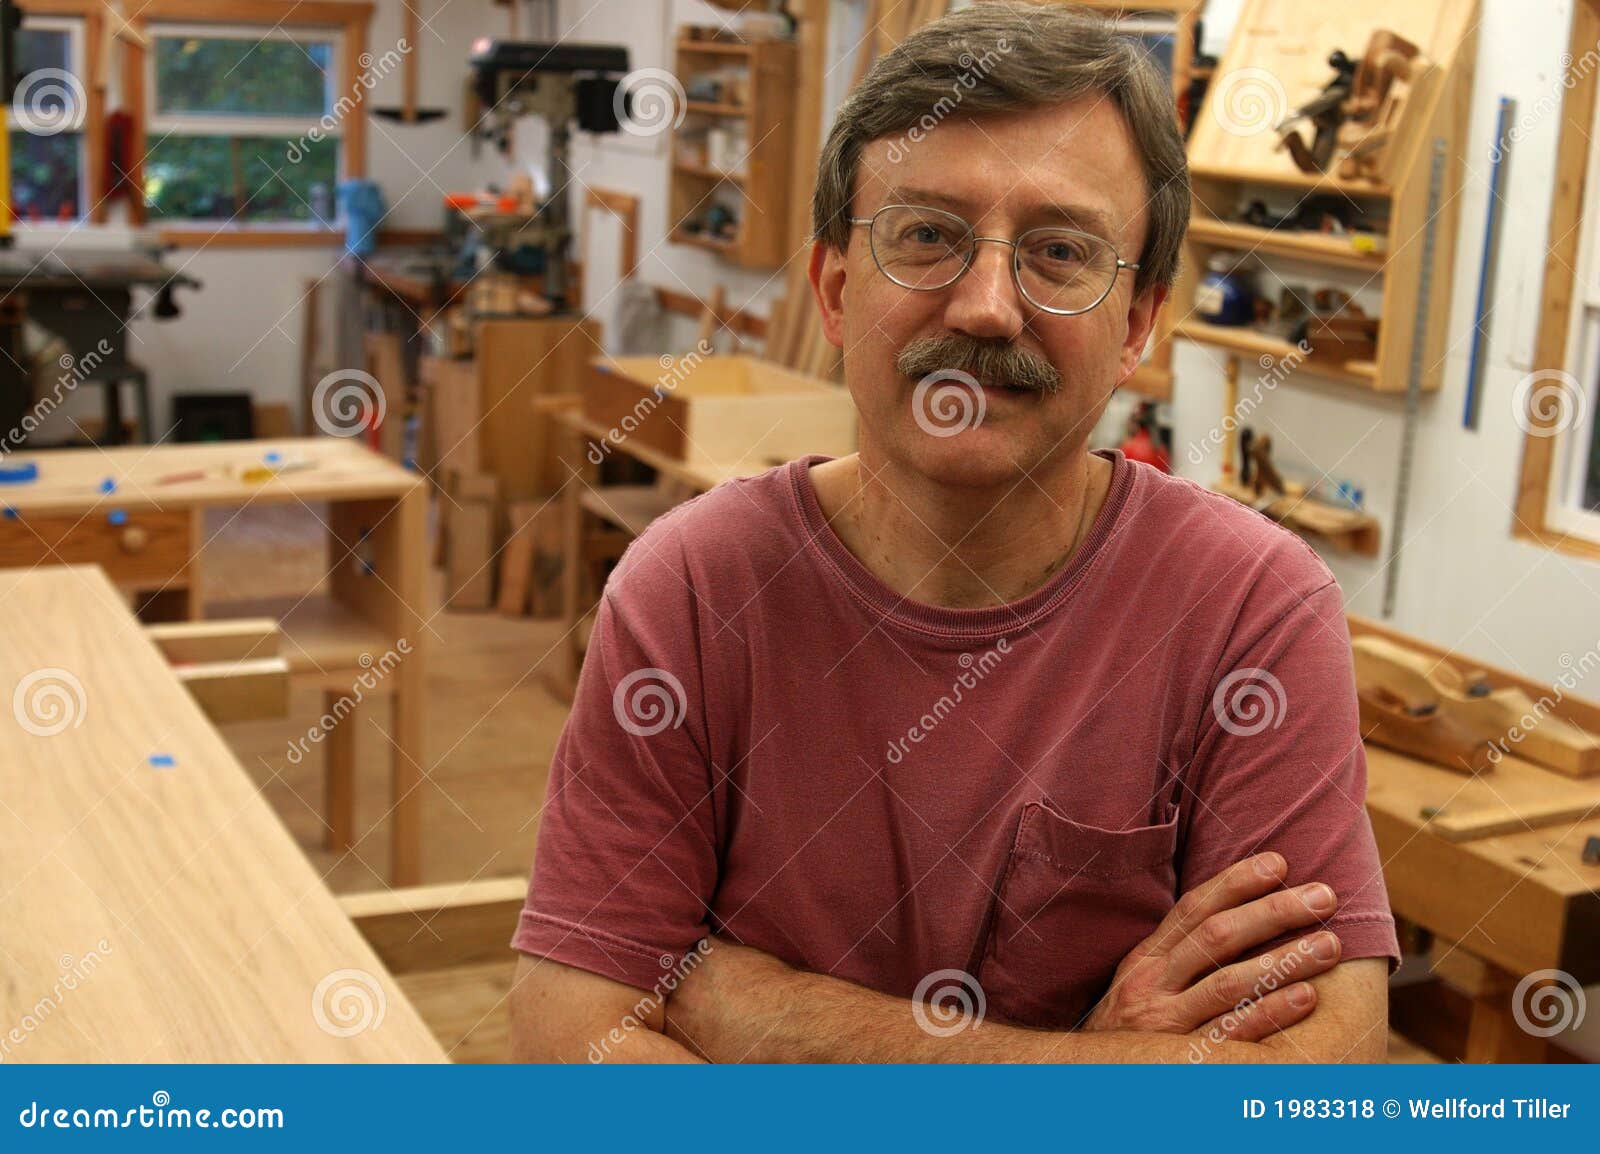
[{"x": 1179, "y": 980}]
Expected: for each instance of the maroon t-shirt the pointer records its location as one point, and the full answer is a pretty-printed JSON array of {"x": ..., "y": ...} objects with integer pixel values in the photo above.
[{"x": 770, "y": 744}]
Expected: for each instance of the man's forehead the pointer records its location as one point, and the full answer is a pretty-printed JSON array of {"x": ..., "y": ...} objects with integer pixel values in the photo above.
[{"x": 968, "y": 165}]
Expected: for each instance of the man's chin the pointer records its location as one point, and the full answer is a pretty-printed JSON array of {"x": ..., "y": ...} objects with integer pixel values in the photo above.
[{"x": 978, "y": 458}]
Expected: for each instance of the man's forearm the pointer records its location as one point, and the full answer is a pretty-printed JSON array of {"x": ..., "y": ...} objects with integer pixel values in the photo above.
[{"x": 779, "y": 1014}]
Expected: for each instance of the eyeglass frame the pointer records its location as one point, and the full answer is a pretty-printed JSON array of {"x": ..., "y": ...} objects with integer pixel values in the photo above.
[{"x": 1016, "y": 258}]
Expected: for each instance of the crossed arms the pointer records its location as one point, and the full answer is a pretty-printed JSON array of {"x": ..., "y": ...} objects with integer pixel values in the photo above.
[{"x": 1197, "y": 989}]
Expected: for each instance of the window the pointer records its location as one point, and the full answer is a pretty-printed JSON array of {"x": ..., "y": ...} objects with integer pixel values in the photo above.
[
  {"x": 46, "y": 123},
  {"x": 241, "y": 127},
  {"x": 1559, "y": 500}
]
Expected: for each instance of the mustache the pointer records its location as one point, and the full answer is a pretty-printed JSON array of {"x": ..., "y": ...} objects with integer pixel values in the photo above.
[{"x": 991, "y": 362}]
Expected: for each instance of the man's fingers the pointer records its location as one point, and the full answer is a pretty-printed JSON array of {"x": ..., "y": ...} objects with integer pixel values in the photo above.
[
  {"x": 1222, "y": 937},
  {"x": 1261, "y": 1019},
  {"x": 1253, "y": 980},
  {"x": 1234, "y": 886}
]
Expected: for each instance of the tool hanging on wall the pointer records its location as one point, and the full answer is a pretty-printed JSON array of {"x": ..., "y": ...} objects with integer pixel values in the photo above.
[
  {"x": 1491, "y": 261},
  {"x": 410, "y": 75},
  {"x": 1408, "y": 427}
]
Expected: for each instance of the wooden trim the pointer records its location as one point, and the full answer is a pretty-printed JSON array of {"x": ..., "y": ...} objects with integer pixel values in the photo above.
[
  {"x": 438, "y": 926},
  {"x": 250, "y": 236},
  {"x": 738, "y": 320},
  {"x": 1560, "y": 275},
  {"x": 295, "y": 13},
  {"x": 133, "y": 102},
  {"x": 625, "y": 207},
  {"x": 353, "y": 154}
]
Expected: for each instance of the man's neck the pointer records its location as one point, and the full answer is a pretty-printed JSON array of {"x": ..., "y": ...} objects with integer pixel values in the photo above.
[{"x": 961, "y": 548}]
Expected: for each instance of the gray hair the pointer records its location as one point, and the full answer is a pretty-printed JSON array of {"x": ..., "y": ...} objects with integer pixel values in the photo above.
[{"x": 997, "y": 57}]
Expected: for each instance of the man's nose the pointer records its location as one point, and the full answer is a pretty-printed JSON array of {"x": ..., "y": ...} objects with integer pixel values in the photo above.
[{"x": 985, "y": 302}]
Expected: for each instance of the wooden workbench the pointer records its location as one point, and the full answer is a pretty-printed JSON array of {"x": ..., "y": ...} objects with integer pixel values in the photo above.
[
  {"x": 156, "y": 912},
  {"x": 148, "y": 535},
  {"x": 1492, "y": 866}
]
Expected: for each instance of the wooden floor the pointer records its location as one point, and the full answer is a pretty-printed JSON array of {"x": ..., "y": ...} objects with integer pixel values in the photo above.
[{"x": 491, "y": 731}]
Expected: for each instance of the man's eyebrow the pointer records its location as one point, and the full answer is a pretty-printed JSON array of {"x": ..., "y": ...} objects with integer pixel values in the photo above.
[{"x": 1080, "y": 216}]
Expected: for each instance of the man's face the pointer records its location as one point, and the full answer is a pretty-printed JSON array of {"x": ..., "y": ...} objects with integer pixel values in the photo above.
[{"x": 1004, "y": 174}]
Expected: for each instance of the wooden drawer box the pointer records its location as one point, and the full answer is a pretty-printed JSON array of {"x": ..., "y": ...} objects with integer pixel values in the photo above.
[
  {"x": 137, "y": 549},
  {"x": 720, "y": 410}
]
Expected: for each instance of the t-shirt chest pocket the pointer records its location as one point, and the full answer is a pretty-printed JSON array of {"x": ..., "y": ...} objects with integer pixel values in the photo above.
[{"x": 1073, "y": 900}]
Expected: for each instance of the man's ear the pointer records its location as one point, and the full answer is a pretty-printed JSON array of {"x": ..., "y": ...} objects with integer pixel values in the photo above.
[
  {"x": 827, "y": 273},
  {"x": 1142, "y": 313}
]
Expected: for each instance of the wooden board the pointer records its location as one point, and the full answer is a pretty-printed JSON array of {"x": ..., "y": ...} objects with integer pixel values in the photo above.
[
  {"x": 1516, "y": 795},
  {"x": 205, "y": 934},
  {"x": 518, "y": 361}
]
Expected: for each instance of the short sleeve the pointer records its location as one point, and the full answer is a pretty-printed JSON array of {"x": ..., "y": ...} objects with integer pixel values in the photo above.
[
  {"x": 1279, "y": 765},
  {"x": 626, "y": 864}
]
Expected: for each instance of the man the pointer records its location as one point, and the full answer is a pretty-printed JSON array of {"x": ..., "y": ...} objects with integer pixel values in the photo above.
[{"x": 974, "y": 745}]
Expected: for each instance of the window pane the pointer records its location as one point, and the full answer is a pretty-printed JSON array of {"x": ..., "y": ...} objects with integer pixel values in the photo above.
[
  {"x": 241, "y": 178},
  {"x": 44, "y": 64},
  {"x": 45, "y": 175},
  {"x": 242, "y": 76}
]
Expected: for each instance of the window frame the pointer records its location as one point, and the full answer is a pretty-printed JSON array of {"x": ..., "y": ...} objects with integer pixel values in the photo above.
[
  {"x": 158, "y": 124},
  {"x": 1569, "y": 295},
  {"x": 351, "y": 18},
  {"x": 77, "y": 27}
]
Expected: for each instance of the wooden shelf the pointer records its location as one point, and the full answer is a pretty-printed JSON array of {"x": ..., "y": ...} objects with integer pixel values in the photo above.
[
  {"x": 1250, "y": 342},
  {"x": 707, "y": 108},
  {"x": 720, "y": 47},
  {"x": 762, "y": 118},
  {"x": 720, "y": 247},
  {"x": 630, "y": 508},
  {"x": 1288, "y": 176},
  {"x": 702, "y": 171},
  {"x": 1312, "y": 246},
  {"x": 1341, "y": 529}
]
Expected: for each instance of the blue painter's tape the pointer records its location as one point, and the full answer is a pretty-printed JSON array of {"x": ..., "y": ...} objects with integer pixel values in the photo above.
[{"x": 162, "y": 760}]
